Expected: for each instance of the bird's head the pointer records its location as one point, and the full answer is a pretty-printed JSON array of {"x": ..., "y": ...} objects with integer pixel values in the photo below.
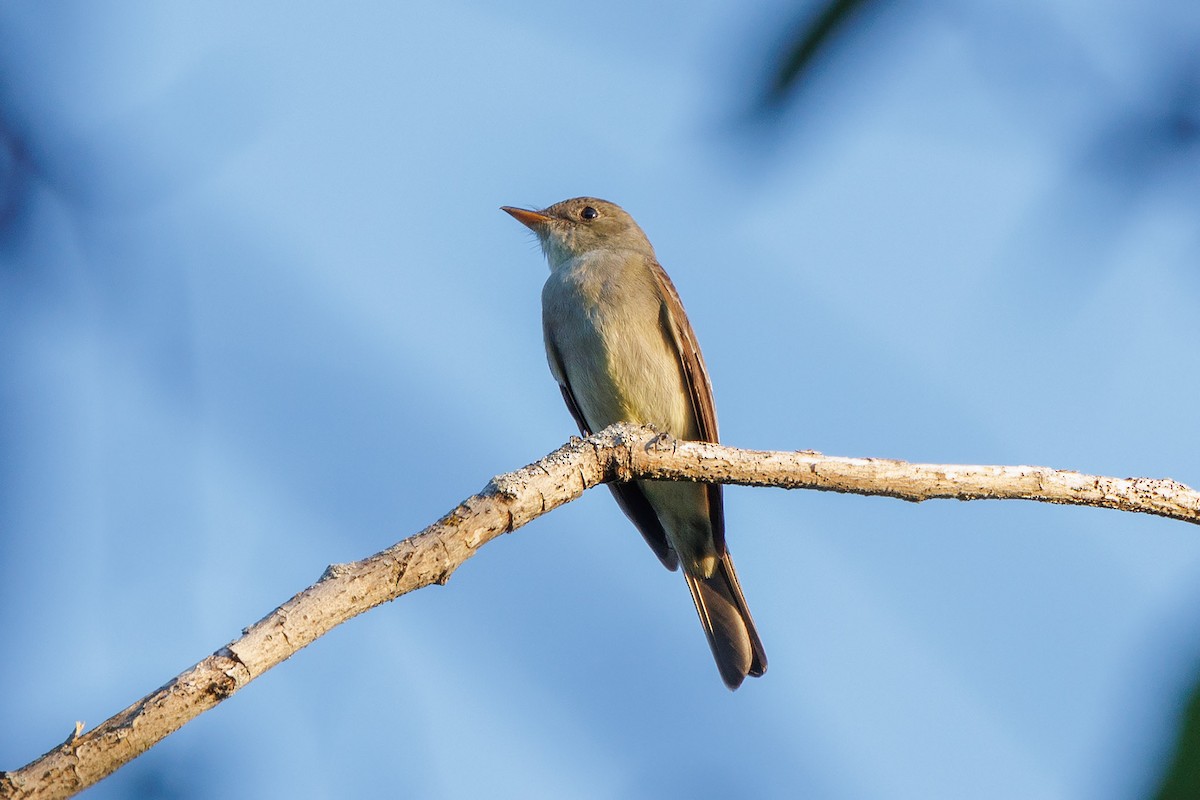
[{"x": 582, "y": 225}]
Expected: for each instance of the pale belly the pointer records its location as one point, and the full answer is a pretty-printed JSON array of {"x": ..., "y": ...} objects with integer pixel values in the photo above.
[{"x": 621, "y": 367}]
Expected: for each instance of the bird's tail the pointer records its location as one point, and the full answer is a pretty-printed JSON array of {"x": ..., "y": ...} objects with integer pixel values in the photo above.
[{"x": 727, "y": 623}]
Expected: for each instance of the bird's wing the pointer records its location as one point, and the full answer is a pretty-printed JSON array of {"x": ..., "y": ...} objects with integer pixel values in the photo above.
[
  {"x": 699, "y": 388},
  {"x": 628, "y": 496}
]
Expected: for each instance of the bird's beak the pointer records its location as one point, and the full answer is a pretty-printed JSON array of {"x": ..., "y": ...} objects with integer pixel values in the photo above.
[{"x": 534, "y": 220}]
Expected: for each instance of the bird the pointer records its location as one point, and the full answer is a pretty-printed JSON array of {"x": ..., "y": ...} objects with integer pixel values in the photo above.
[{"x": 622, "y": 350}]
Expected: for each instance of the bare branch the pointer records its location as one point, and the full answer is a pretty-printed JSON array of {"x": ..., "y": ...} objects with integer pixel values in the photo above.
[
  {"x": 676, "y": 460},
  {"x": 621, "y": 452}
]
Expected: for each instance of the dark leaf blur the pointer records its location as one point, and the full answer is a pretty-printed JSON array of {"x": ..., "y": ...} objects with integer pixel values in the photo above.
[
  {"x": 810, "y": 39},
  {"x": 1143, "y": 148},
  {"x": 1182, "y": 779}
]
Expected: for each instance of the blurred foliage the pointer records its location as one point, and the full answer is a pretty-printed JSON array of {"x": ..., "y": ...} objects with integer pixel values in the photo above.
[
  {"x": 1149, "y": 136},
  {"x": 1182, "y": 780},
  {"x": 811, "y": 39},
  {"x": 10, "y": 175}
]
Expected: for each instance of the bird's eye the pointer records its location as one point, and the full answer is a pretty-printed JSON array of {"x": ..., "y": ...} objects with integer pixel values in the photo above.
[{"x": 589, "y": 213}]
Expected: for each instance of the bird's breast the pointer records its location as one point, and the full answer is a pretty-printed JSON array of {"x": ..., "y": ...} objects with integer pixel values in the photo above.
[{"x": 604, "y": 318}]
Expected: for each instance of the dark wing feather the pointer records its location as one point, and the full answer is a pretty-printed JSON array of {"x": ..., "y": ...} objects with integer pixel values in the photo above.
[
  {"x": 695, "y": 376},
  {"x": 628, "y": 496}
]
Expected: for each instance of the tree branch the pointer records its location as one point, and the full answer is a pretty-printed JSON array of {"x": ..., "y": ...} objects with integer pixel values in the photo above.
[{"x": 622, "y": 452}]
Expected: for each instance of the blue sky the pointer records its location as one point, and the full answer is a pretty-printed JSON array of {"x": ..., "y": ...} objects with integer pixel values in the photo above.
[{"x": 259, "y": 312}]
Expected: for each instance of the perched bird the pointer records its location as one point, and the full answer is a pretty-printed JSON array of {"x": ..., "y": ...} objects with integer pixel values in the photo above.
[{"x": 622, "y": 350}]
